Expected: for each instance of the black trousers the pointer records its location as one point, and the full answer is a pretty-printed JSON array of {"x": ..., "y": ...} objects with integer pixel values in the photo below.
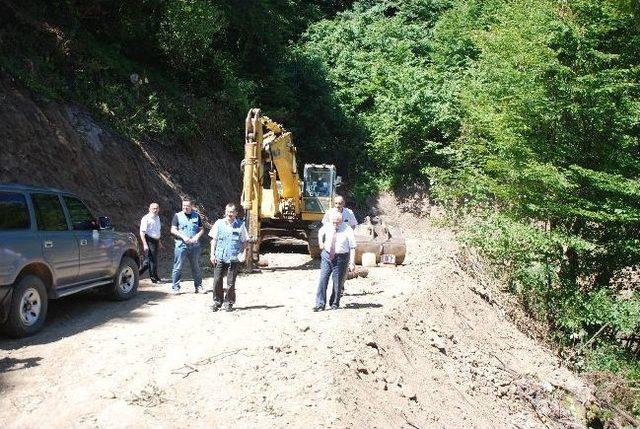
[
  {"x": 151, "y": 257},
  {"x": 230, "y": 269}
]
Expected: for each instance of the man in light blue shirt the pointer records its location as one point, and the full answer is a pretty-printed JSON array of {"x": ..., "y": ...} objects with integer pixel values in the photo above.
[
  {"x": 229, "y": 239},
  {"x": 186, "y": 228},
  {"x": 338, "y": 244},
  {"x": 338, "y": 207}
]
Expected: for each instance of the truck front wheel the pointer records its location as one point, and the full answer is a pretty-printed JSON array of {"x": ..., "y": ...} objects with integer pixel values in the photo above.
[
  {"x": 125, "y": 282},
  {"x": 28, "y": 308}
]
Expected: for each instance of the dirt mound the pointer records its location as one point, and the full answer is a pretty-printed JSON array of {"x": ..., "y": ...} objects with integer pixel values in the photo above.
[
  {"x": 446, "y": 355},
  {"x": 61, "y": 145}
]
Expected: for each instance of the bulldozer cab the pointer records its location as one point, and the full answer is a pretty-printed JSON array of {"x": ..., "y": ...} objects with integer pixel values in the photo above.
[{"x": 319, "y": 187}]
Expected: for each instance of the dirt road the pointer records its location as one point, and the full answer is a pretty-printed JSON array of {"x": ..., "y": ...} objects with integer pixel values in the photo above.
[{"x": 413, "y": 346}]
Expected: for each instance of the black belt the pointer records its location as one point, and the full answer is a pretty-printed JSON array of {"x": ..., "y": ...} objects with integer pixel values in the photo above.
[{"x": 336, "y": 254}]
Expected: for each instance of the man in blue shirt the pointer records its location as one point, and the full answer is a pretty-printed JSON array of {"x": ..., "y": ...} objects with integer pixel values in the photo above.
[
  {"x": 338, "y": 207},
  {"x": 228, "y": 241},
  {"x": 186, "y": 228}
]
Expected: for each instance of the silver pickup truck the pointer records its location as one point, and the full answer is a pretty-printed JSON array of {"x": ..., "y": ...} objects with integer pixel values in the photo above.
[{"x": 52, "y": 246}]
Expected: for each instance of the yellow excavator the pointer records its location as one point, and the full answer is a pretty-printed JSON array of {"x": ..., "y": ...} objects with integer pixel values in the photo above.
[{"x": 278, "y": 203}]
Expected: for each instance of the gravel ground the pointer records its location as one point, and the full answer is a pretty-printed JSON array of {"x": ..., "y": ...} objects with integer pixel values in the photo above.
[{"x": 412, "y": 346}]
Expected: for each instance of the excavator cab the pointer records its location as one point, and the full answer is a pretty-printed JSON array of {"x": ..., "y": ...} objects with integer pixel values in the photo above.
[{"x": 318, "y": 189}]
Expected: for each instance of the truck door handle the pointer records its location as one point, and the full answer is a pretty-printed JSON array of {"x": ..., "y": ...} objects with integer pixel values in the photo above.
[
  {"x": 83, "y": 242},
  {"x": 48, "y": 244}
]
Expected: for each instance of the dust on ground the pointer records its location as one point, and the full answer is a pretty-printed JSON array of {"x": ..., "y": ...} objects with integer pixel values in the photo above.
[{"x": 414, "y": 346}]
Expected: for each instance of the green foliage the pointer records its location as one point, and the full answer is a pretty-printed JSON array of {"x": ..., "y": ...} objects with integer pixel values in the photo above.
[
  {"x": 189, "y": 31},
  {"x": 191, "y": 57},
  {"x": 608, "y": 357},
  {"x": 377, "y": 62},
  {"x": 544, "y": 172}
]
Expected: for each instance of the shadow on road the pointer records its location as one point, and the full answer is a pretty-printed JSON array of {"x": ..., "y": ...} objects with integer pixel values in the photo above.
[
  {"x": 78, "y": 313},
  {"x": 11, "y": 364},
  {"x": 355, "y": 305},
  {"x": 283, "y": 245},
  {"x": 362, "y": 293},
  {"x": 257, "y": 307},
  {"x": 313, "y": 264}
]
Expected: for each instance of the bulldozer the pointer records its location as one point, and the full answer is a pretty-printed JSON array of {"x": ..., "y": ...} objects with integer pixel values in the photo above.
[{"x": 279, "y": 203}]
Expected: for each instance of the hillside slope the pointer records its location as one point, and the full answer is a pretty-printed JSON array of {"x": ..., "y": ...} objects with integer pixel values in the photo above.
[{"x": 61, "y": 145}]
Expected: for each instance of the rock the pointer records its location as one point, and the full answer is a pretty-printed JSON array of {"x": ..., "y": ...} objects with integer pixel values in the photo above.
[
  {"x": 304, "y": 328},
  {"x": 109, "y": 395},
  {"x": 408, "y": 392},
  {"x": 546, "y": 386},
  {"x": 373, "y": 344},
  {"x": 438, "y": 343}
]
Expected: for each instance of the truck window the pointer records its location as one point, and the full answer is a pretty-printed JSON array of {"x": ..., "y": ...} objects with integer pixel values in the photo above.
[
  {"x": 14, "y": 213},
  {"x": 81, "y": 217},
  {"x": 49, "y": 214}
]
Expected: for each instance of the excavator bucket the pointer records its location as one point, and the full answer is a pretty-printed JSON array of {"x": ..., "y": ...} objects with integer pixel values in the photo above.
[{"x": 386, "y": 245}]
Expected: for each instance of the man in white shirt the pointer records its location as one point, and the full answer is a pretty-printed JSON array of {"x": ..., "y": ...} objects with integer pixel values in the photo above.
[
  {"x": 150, "y": 238},
  {"x": 338, "y": 244},
  {"x": 338, "y": 207}
]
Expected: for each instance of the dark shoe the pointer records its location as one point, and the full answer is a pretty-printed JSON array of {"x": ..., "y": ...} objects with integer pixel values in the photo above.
[
  {"x": 156, "y": 279},
  {"x": 334, "y": 307},
  {"x": 227, "y": 306},
  {"x": 318, "y": 309},
  {"x": 215, "y": 307}
]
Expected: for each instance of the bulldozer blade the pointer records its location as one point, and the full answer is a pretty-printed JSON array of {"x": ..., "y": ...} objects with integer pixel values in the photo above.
[{"x": 395, "y": 246}]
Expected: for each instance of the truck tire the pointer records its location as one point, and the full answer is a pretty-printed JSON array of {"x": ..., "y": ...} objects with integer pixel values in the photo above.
[
  {"x": 28, "y": 308},
  {"x": 125, "y": 282}
]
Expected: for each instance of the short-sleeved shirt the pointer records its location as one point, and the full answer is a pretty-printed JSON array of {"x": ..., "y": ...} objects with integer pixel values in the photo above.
[
  {"x": 244, "y": 235},
  {"x": 193, "y": 217},
  {"x": 345, "y": 238},
  {"x": 150, "y": 225},
  {"x": 347, "y": 216}
]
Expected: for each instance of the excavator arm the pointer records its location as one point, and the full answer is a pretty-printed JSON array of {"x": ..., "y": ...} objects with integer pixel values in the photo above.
[{"x": 271, "y": 185}]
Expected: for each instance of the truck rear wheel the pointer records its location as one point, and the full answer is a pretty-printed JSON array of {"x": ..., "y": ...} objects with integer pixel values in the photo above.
[{"x": 28, "y": 308}]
